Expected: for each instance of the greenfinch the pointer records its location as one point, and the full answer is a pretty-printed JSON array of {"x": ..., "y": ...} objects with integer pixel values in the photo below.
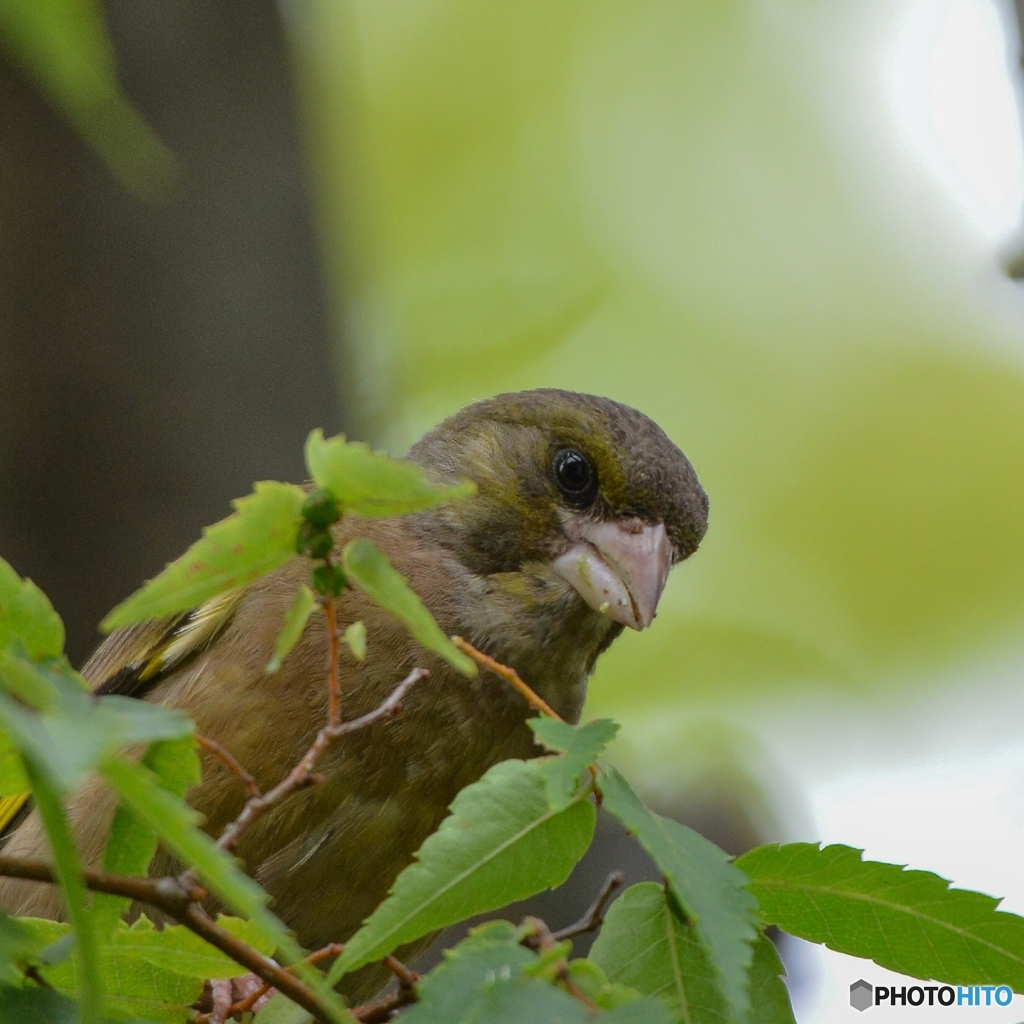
[{"x": 582, "y": 508}]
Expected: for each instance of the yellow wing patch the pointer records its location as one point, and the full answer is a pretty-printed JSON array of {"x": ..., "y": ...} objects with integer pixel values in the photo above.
[{"x": 10, "y": 807}]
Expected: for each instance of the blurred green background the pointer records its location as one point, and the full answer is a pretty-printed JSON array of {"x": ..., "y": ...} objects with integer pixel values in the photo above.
[
  {"x": 701, "y": 209},
  {"x": 785, "y": 229}
]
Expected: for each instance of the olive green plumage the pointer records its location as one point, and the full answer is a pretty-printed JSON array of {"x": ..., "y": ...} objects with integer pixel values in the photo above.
[{"x": 485, "y": 566}]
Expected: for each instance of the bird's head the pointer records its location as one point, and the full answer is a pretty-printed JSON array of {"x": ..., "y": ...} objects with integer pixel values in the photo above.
[{"x": 590, "y": 493}]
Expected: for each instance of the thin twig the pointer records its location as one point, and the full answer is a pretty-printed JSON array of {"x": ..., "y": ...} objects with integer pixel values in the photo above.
[
  {"x": 231, "y": 762},
  {"x": 565, "y": 977},
  {"x": 594, "y": 917},
  {"x": 196, "y": 920},
  {"x": 537, "y": 936},
  {"x": 509, "y": 675},
  {"x": 301, "y": 775},
  {"x": 383, "y": 1008},
  {"x": 333, "y": 659},
  {"x": 243, "y": 1005},
  {"x": 406, "y": 978}
]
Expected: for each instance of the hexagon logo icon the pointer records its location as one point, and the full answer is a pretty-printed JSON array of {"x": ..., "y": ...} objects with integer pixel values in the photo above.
[{"x": 861, "y": 995}]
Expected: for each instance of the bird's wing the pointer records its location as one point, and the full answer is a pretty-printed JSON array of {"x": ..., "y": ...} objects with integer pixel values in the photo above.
[{"x": 132, "y": 660}]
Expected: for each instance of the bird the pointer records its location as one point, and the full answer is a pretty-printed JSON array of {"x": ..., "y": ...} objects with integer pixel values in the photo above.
[{"x": 582, "y": 506}]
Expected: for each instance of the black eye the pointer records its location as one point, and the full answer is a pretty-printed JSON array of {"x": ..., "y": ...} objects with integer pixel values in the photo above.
[{"x": 575, "y": 476}]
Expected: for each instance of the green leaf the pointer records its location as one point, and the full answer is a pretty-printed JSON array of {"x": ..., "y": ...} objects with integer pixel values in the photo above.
[
  {"x": 355, "y": 637},
  {"x": 82, "y": 730},
  {"x": 367, "y": 567},
  {"x": 135, "y": 989},
  {"x": 910, "y": 922},
  {"x": 502, "y": 842},
  {"x": 769, "y": 997},
  {"x": 26, "y": 615},
  {"x": 489, "y": 978},
  {"x": 175, "y": 823},
  {"x": 449, "y": 990},
  {"x": 644, "y": 944},
  {"x": 257, "y": 538},
  {"x": 373, "y": 484},
  {"x": 69, "y": 872},
  {"x": 174, "y": 948},
  {"x": 132, "y": 843},
  {"x": 302, "y": 607},
  {"x": 710, "y": 889},
  {"x": 581, "y": 744}
]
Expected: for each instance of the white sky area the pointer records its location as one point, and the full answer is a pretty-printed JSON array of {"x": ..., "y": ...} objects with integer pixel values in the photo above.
[
  {"x": 938, "y": 787},
  {"x": 954, "y": 105}
]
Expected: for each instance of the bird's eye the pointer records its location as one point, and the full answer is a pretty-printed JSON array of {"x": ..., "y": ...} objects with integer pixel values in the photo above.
[{"x": 575, "y": 476}]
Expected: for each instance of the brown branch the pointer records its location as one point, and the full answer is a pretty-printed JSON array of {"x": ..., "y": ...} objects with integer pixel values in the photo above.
[
  {"x": 164, "y": 893},
  {"x": 333, "y": 659},
  {"x": 594, "y": 917},
  {"x": 249, "y": 1001},
  {"x": 302, "y": 775},
  {"x": 509, "y": 675},
  {"x": 233, "y": 766},
  {"x": 170, "y": 897},
  {"x": 196, "y": 920}
]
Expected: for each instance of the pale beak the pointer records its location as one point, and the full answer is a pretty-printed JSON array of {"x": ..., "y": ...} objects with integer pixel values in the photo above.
[{"x": 619, "y": 569}]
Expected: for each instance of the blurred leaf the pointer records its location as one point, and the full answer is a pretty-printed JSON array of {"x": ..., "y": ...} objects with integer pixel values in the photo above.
[
  {"x": 281, "y": 1010},
  {"x": 132, "y": 843},
  {"x": 367, "y": 567},
  {"x": 36, "y": 1006},
  {"x": 257, "y": 538},
  {"x": 582, "y": 746},
  {"x": 489, "y": 977},
  {"x": 449, "y": 990},
  {"x": 373, "y": 484},
  {"x": 643, "y": 1011},
  {"x": 710, "y": 889},
  {"x": 513, "y": 1000},
  {"x": 26, "y": 681},
  {"x": 301, "y": 608},
  {"x": 502, "y": 842},
  {"x": 176, "y": 824},
  {"x": 592, "y": 981},
  {"x": 76, "y": 900},
  {"x": 910, "y": 922},
  {"x": 13, "y": 780},
  {"x": 64, "y": 46},
  {"x": 18, "y": 944},
  {"x": 83, "y": 730},
  {"x": 644, "y": 945},
  {"x": 26, "y": 615},
  {"x": 355, "y": 637}
]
